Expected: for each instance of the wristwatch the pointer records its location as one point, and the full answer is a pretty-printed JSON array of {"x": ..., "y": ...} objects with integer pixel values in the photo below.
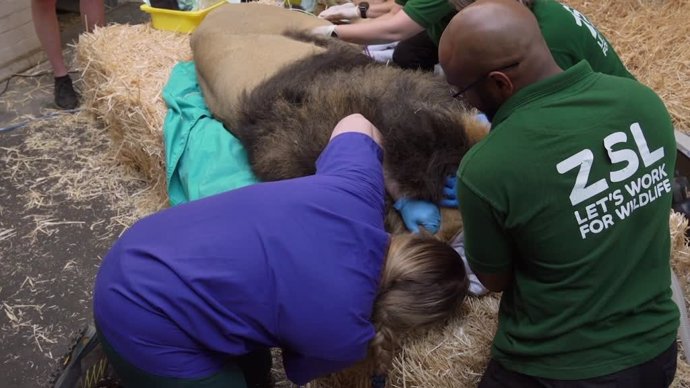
[{"x": 363, "y": 8}]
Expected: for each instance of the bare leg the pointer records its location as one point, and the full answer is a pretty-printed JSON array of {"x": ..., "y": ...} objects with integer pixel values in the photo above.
[
  {"x": 46, "y": 25},
  {"x": 92, "y": 13}
]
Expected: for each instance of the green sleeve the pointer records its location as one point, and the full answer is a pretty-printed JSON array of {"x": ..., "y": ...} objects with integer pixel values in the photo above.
[
  {"x": 427, "y": 13},
  {"x": 487, "y": 246}
]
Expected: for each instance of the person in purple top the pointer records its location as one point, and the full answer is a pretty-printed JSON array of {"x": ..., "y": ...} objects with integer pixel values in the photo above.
[{"x": 197, "y": 294}]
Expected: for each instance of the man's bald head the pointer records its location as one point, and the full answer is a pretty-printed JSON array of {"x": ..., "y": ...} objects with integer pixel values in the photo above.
[
  {"x": 488, "y": 35},
  {"x": 459, "y": 5},
  {"x": 494, "y": 39}
]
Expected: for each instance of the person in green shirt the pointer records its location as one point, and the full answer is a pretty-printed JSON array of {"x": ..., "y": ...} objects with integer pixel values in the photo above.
[
  {"x": 565, "y": 206},
  {"x": 417, "y": 24},
  {"x": 571, "y": 37}
]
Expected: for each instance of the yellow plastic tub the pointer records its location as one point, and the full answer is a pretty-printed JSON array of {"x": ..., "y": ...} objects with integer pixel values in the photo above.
[{"x": 177, "y": 21}]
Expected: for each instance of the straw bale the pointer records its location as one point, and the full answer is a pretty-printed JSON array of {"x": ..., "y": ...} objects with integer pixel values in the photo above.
[
  {"x": 450, "y": 355},
  {"x": 653, "y": 39},
  {"x": 124, "y": 70},
  {"x": 679, "y": 244}
]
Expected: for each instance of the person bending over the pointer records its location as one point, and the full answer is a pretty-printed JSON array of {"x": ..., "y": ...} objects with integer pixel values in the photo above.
[
  {"x": 195, "y": 295},
  {"x": 565, "y": 205},
  {"x": 570, "y": 36},
  {"x": 417, "y": 24}
]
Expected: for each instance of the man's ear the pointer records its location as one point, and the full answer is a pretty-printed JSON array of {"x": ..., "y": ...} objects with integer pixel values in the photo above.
[{"x": 502, "y": 83}]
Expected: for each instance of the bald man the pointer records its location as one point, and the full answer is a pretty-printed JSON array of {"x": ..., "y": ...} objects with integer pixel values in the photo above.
[
  {"x": 565, "y": 206},
  {"x": 570, "y": 36}
]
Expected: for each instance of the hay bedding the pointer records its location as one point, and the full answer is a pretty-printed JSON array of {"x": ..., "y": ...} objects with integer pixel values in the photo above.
[
  {"x": 125, "y": 68},
  {"x": 124, "y": 71},
  {"x": 652, "y": 38}
]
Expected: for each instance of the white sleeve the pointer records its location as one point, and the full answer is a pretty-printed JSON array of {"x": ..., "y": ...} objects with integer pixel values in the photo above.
[{"x": 476, "y": 288}]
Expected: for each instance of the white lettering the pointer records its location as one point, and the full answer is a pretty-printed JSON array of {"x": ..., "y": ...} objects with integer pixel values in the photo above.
[
  {"x": 602, "y": 203},
  {"x": 633, "y": 187},
  {"x": 644, "y": 199},
  {"x": 623, "y": 155},
  {"x": 591, "y": 210},
  {"x": 655, "y": 175},
  {"x": 581, "y": 192},
  {"x": 596, "y": 226},
  {"x": 608, "y": 220},
  {"x": 646, "y": 180},
  {"x": 624, "y": 211},
  {"x": 641, "y": 199},
  {"x": 581, "y": 20},
  {"x": 617, "y": 197},
  {"x": 647, "y": 158}
]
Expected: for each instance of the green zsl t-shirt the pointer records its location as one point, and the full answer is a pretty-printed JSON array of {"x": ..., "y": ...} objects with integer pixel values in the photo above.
[
  {"x": 571, "y": 37},
  {"x": 433, "y": 15},
  {"x": 571, "y": 193}
]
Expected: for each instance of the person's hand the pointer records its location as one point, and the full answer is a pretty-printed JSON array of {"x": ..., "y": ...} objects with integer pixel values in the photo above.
[
  {"x": 324, "y": 31},
  {"x": 417, "y": 213},
  {"x": 346, "y": 11},
  {"x": 450, "y": 192},
  {"x": 357, "y": 123}
]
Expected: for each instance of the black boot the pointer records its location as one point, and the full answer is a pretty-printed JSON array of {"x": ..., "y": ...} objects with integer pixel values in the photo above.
[
  {"x": 65, "y": 95},
  {"x": 256, "y": 367}
]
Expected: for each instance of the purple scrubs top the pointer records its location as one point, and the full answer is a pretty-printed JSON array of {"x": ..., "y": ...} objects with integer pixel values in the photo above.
[{"x": 292, "y": 264}]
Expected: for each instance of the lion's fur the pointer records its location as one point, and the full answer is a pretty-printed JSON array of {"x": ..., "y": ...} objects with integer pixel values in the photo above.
[{"x": 285, "y": 122}]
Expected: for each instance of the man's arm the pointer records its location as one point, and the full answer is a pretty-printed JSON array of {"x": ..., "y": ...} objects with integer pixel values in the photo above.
[
  {"x": 487, "y": 246},
  {"x": 385, "y": 8},
  {"x": 381, "y": 30},
  {"x": 350, "y": 11}
]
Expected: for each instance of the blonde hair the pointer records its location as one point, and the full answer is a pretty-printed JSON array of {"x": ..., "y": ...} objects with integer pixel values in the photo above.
[
  {"x": 459, "y": 5},
  {"x": 423, "y": 282}
]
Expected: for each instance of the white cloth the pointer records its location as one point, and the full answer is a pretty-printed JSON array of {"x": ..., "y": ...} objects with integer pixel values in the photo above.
[
  {"x": 476, "y": 288},
  {"x": 347, "y": 11},
  {"x": 324, "y": 31},
  {"x": 381, "y": 52}
]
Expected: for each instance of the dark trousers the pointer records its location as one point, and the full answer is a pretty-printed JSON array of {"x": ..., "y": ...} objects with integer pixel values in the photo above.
[
  {"x": 655, "y": 373},
  {"x": 252, "y": 370},
  {"x": 417, "y": 53}
]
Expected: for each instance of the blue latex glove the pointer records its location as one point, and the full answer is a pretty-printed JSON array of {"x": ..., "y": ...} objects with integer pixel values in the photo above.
[
  {"x": 450, "y": 192},
  {"x": 419, "y": 213},
  {"x": 483, "y": 119}
]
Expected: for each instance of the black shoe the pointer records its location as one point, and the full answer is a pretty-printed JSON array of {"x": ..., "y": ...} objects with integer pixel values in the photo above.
[
  {"x": 86, "y": 365},
  {"x": 65, "y": 95},
  {"x": 256, "y": 367}
]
